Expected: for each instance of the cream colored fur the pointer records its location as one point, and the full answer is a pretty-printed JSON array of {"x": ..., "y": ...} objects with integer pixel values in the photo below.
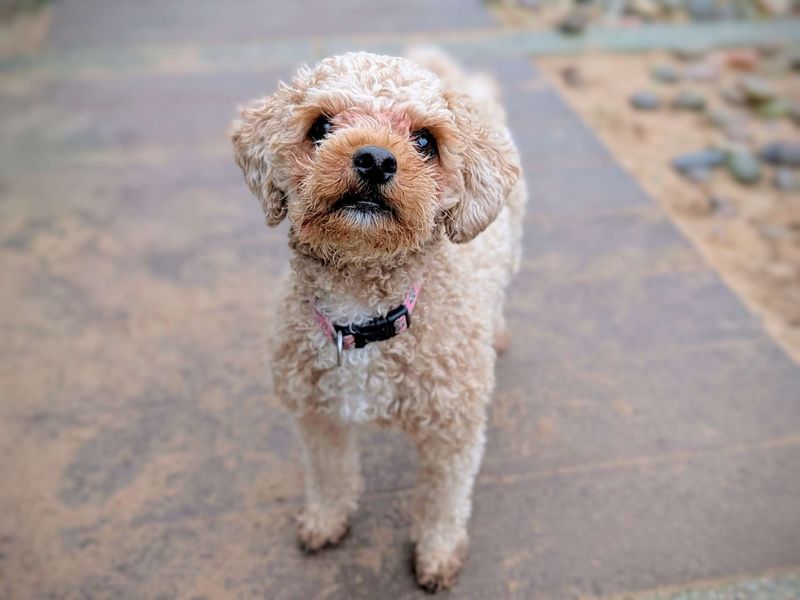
[{"x": 458, "y": 232}]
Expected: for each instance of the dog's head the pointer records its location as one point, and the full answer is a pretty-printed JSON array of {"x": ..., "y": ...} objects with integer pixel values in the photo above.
[{"x": 372, "y": 155}]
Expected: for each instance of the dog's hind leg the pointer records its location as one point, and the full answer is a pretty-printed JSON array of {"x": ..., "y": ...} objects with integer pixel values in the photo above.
[{"x": 333, "y": 482}]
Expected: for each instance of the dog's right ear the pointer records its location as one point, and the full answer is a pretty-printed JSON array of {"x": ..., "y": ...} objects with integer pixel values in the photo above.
[{"x": 251, "y": 141}]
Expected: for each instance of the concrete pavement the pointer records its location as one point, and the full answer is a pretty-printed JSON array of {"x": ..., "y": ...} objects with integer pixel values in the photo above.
[{"x": 645, "y": 433}]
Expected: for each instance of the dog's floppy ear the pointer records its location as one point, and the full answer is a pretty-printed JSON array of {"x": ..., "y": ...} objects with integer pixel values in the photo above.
[
  {"x": 490, "y": 167},
  {"x": 251, "y": 137}
]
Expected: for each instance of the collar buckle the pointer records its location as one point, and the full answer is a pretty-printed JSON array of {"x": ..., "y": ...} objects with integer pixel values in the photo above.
[{"x": 377, "y": 329}]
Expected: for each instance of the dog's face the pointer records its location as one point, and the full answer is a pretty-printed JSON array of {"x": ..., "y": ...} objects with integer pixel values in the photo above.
[{"x": 371, "y": 155}]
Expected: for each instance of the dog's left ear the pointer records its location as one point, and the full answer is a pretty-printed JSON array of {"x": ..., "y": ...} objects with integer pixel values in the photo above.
[
  {"x": 251, "y": 138},
  {"x": 490, "y": 168}
]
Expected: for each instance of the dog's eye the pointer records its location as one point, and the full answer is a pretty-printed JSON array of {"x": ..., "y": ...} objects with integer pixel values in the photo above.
[
  {"x": 320, "y": 128},
  {"x": 424, "y": 142}
]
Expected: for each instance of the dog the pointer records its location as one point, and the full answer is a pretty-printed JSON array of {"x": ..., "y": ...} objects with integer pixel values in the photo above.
[{"x": 404, "y": 195}]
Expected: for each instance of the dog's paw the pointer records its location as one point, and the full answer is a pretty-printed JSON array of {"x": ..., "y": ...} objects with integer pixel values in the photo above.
[
  {"x": 437, "y": 569},
  {"x": 316, "y": 531}
]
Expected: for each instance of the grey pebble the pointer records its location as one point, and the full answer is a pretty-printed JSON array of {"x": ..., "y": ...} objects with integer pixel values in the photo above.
[
  {"x": 722, "y": 207},
  {"x": 793, "y": 58},
  {"x": 781, "y": 153},
  {"x": 664, "y": 74},
  {"x": 743, "y": 165},
  {"x": 646, "y": 9},
  {"x": 645, "y": 101},
  {"x": 785, "y": 179},
  {"x": 794, "y": 112},
  {"x": 573, "y": 76},
  {"x": 689, "y": 53},
  {"x": 701, "y": 72},
  {"x": 733, "y": 95},
  {"x": 770, "y": 48},
  {"x": 697, "y": 174},
  {"x": 573, "y": 24},
  {"x": 702, "y": 10},
  {"x": 702, "y": 159},
  {"x": 721, "y": 118},
  {"x": 671, "y": 6},
  {"x": 775, "y": 232},
  {"x": 773, "y": 109},
  {"x": 688, "y": 100},
  {"x": 738, "y": 131},
  {"x": 756, "y": 89}
]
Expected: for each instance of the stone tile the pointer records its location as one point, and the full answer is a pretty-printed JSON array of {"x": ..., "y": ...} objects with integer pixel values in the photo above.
[
  {"x": 557, "y": 146},
  {"x": 604, "y": 408},
  {"x": 555, "y": 535},
  {"x": 589, "y": 412},
  {"x": 93, "y": 23},
  {"x": 603, "y": 245},
  {"x": 122, "y": 114},
  {"x": 157, "y": 89},
  {"x": 539, "y": 105},
  {"x": 619, "y": 529},
  {"x": 650, "y": 314},
  {"x": 512, "y": 74},
  {"x": 551, "y": 136},
  {"x": 644, "y": 431},
  {"x": 576, "y": 184},
  {"x": 774, "y": 585}
]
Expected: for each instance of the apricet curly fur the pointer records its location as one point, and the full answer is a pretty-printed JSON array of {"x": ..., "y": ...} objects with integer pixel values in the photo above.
[{"x": 454, "y": 225}]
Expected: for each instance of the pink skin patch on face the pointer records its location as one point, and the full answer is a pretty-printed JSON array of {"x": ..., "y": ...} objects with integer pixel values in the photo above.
[{"x": 395, "y": 118}]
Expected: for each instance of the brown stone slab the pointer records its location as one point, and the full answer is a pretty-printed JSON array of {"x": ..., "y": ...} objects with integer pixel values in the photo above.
[
  {"x": 644, "y": 430},
  {"x": 81, "y": 23}
]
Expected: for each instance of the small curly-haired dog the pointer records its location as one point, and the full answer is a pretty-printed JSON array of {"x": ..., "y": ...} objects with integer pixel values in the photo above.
[{"x": 403, "y": 192}]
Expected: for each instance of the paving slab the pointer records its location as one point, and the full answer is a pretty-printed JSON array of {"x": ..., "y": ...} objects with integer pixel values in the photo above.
[
  {"x": 645, "y": 431},
  {"x": 98, "y": 23}
]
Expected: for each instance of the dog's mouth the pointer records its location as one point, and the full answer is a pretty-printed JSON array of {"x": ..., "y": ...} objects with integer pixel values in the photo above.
[{"x": 367, "y": 205}]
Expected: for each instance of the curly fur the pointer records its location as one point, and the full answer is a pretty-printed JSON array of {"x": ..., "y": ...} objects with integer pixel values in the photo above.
[{"x": 455, "y": 226}]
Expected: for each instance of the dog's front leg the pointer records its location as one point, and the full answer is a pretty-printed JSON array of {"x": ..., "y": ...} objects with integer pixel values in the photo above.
[
  {"x": 449, "y": 461},
  {"x": 333, "y": 482}
]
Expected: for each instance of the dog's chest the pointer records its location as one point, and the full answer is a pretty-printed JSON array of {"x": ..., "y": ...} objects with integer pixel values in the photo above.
[{"x": 360, "y": 389}]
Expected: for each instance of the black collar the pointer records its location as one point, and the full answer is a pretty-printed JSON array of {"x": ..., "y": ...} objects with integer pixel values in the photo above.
[{"x": 377, "y": 329}]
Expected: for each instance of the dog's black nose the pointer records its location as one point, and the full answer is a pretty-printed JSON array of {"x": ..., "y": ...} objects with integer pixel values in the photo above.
[{"x": 374, "y": 165}]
